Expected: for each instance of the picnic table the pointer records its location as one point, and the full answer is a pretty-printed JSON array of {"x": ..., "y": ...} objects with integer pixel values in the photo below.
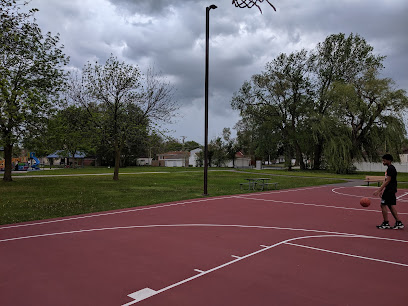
[{"x": 263, "y": 182}]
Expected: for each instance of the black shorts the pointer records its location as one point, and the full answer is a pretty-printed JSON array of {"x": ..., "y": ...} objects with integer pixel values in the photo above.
[{"x": 388, "y": 198}]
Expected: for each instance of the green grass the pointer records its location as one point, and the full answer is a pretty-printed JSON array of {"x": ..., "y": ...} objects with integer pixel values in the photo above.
[{"x": 27, "y": 199}]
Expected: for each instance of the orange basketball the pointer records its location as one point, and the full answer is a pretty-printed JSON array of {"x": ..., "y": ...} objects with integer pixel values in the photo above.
[{"x": 365, "y": 202}]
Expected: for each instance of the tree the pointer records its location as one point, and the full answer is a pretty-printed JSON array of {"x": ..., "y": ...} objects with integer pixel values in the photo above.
[
  {"x": 230, "y": 145},
  {"x": 71, "y": 131},
  {"x": 219, "y": 155},
  {"x": 337, "y": 59},
  {"x": 31, "y": 75},
  {"x": 372, "y": 111},
  {"x": 279, "y": 96},
  {"x": 116, "y": 88}
]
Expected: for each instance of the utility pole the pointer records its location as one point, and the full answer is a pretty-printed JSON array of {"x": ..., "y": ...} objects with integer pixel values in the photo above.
[
  {"x": 184, "y": 137},
  {"x": 207, "y": 51}
]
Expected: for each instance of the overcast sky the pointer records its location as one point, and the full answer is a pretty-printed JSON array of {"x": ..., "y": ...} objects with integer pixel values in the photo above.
[{"x": 170, "y": 35}]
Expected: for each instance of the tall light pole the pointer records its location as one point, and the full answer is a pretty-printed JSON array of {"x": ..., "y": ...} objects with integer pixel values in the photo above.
[{"x": 207, "y": 42}]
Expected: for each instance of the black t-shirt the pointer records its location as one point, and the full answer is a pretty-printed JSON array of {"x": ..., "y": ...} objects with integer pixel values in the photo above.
[{"x": 392, "y": 185}]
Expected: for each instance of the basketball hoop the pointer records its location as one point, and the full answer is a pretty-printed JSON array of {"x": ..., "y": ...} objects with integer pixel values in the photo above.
[{"x": 250, "y": 3}]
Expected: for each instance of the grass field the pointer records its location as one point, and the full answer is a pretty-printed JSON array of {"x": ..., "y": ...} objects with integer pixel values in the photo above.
[{"x": 53, "y": 194}]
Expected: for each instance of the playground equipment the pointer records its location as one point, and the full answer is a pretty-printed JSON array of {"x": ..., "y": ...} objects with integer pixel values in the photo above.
[
  {"x": 35, "y": 166},
  {"x": 21, "y": 163}
]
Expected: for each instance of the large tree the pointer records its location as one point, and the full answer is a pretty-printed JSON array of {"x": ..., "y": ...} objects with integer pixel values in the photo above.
[
  {"x": 129, "y": 100},
  {"x": 339, "y": 58},
  {"x": 371, "y": 110},
  {"x": 279, "y": 96},
  {"x": 31, "y": 75}
]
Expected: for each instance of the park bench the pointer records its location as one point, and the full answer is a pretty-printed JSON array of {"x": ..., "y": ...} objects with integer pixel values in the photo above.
[
  {"x": 261, "y": 182},
  {"x": 374, "y": 179},
  {"x": 275, "y": 185},
  {"x": 249, "y": 184}
]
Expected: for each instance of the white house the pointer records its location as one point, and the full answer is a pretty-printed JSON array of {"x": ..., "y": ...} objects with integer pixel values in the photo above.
[
  {"x": 144, "y": 161},
  {"x": 193, "y": 160},
  {"x": 174, "y": 159},
  {"x": 242, "y": 161}
]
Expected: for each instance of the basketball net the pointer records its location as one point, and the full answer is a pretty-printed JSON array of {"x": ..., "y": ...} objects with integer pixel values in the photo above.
[{"x": 250, "y": 3}]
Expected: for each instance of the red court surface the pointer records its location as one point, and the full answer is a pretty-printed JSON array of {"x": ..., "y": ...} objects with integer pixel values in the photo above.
[{"x": 307, "y": 246}]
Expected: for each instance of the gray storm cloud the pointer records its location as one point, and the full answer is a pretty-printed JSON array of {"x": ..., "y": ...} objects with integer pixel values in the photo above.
[{"x": 170, "y": 35}]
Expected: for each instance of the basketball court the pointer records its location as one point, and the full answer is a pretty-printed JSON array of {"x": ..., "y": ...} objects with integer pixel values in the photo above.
[{"x": 306, "y": 246}]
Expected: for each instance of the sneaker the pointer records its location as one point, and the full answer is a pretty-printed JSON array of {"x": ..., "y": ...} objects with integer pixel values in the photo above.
[
  {"x": 384, "y": 225},
  {"x": 398, "y": 225}
]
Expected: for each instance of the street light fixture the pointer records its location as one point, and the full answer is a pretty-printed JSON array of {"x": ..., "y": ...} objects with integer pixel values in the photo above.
[{"x": 207, "y": 39}]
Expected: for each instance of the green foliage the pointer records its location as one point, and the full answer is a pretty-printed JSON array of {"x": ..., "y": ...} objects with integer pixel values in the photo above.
[
  {"x": 327, "y": 105},
  {"x": 126, "y": 109},
  {"x": 31, "y": 75},
  {"x": 276, "y": 102}
]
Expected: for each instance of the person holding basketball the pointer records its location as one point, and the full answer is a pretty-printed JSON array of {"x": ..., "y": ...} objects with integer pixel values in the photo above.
[{"x": 387, "y": 193}]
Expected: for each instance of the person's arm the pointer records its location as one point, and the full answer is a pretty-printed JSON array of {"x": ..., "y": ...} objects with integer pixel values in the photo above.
[{"x": 380, "y": 190}]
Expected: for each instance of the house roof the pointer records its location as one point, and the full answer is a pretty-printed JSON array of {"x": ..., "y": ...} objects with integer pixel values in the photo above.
[
  {"x": 240, "y": 155},
  {"x": 175, "y": 153},
  {"x": 63, "y": 154}
]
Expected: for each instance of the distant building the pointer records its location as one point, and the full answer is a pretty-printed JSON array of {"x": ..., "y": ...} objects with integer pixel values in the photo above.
[
  {"x": 194, "y": 157},
  {"x": 242, "y": 161},
  {"x": 144, "y": 161},
  {"x": 63, "y": 158},
  {"x": 174, "y": 159}
]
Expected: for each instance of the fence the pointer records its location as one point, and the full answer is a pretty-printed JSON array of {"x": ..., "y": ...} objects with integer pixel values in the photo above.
[{"x": 378, "y": 167}]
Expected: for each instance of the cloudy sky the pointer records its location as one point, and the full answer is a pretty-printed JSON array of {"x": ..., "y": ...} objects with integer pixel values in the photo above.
[{"x": 170, "y": 36}]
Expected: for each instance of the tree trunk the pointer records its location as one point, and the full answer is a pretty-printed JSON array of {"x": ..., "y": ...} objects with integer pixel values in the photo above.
[
  {"x": 8, "y": 153},
  {"x": 317, "y": 158},
  {"x": 299, "y": 158},
  {"x": 117, "y": 164}
]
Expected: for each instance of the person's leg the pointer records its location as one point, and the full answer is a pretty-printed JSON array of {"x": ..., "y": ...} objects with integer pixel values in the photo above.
[
  {"x": 384, "y": 212},
  {"x": 394, "y": 212},
  {"x": 385, "y": 224}
]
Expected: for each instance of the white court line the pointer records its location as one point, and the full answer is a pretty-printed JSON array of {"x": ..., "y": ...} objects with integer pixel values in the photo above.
[
  {"x": 156, "y": 206},
  {"x": 199, "y": 271},
  {"x": 227, "y": 264},
  {"x": 116, "y": 212},
  {"x": 287, "y": 241},
  {"x": 282, "y": 191},
  {"x": 334, "y": 190},
  {"x": 350, "y": 255},
  {"x": 403, "y": 195},
  {"x": 198, "y": 225},
  {"x": 316, "y": 205}
]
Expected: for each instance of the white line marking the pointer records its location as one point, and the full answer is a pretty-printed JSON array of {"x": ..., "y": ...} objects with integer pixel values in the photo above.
[
  {"x": 260, "y": 251},
  {"x": 334, "y": 190},
  {"x": 282, "y": 191},
  {"x": 140, "y": 295},
  {"x": 316, "y": 205},
  {"x": 118, "y": 212},
  {"x": 264, "y": 246},
  {"x": 199, "y": 271},
  {"x": 198, "y": 225},
  {"x": 236, "y": 256},
  {"x": 153, "y": 207},
  {"x": 350, "y": 255},
  {"x": 234, "y": 261},
  {"x": 403, "y": 195}
]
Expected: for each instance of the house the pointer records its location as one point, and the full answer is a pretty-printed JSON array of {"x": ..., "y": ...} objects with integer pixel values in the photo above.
[
  {"x": 242, "y": 161},
  {"x": 63, "y": 158},
  {"x": 144, "y": 161},
  {"x": 174, "y": 159},
  {"x": 404, "y": 156},
  {"x": 194, "y": 159}
]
